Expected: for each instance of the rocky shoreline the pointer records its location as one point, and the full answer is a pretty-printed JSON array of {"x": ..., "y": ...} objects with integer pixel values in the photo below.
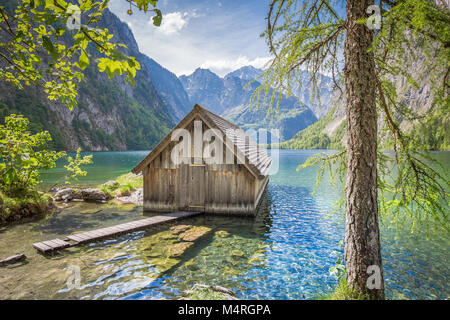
[
  {"x": 111, "y": 190},
  {"x": 136, "y": 197},
  {"x": 97, "y": 195},
  {"x": 88, "y": 194}
]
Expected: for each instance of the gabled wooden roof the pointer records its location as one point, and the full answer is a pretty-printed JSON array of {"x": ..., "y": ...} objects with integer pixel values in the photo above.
[{"x": 257, "y": 160}]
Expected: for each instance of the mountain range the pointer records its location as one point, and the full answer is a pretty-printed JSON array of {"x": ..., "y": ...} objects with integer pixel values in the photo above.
[
  {"x": 112, "y": 115},
  {"x": 230, "y": 96}
]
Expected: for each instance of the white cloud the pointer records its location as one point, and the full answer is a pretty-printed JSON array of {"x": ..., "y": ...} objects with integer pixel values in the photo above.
[
  {"x": 224, "y": 66},
  {"x": 198, "y": 35},
  {"x": 172, "y": 23}
]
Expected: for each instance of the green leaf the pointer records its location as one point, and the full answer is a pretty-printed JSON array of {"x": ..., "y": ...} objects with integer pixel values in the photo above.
[
  {"x": 48, "y": 45},
  {"x": 118, "y": 55},
  {"x": 83, "y": 61},
  {"x": 158, "y": 18}
]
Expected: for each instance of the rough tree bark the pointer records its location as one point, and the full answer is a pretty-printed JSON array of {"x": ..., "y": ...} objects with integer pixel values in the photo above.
[{"x": 362, "y": 238}]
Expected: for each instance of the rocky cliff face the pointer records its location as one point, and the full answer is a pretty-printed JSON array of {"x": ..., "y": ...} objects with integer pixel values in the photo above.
[
  {"x": 205, "y": 88},
  {"x": 319, "y": 102},
  {"x": 247, "y": 73},
  {"x": 169, "y": 88},
  {"x": 329, "y": 131},
  {"x": 111, "y": 115}
]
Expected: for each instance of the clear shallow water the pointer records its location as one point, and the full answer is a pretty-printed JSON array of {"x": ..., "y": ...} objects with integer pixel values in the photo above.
[{"x": 283, "y": 253}]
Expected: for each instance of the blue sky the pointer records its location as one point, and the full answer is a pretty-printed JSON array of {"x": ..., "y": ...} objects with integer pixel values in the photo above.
[{"x": 222, "y": 35}]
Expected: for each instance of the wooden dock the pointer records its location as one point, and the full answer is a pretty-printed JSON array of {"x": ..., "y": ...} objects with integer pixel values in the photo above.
[{"x": 51, "y": 246}]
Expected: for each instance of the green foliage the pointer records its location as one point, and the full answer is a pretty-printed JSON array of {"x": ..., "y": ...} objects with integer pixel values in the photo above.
[
  {"x": 414, "y": 189},
  {"x": 73, "y": 166},
  {"x": 124, "y": 185},
  {"x": 22, "y": 155},
  {"x": 434, "y": 133},
  {"x": 41, "y": 117},
  {"x": 313, "y": 136},
  {"x": 334, "y": 166},
  {"x": 135, "y": 181},
  {"x": 33, "y": 53},
  {"x": 125, "y": 190}
]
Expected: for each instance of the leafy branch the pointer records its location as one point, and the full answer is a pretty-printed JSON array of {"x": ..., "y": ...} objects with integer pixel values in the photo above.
[{"x": 43, "y": 52}]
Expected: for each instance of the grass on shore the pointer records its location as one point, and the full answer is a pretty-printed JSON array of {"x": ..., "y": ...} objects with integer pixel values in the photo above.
[
  {"x": 123, "y": 185},
  {"x": 343, "y": 292},
  {"x": 33, "y": 203}
]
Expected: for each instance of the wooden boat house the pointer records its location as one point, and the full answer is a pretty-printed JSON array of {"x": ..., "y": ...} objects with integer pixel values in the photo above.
[{"x": 206, "y": 164}]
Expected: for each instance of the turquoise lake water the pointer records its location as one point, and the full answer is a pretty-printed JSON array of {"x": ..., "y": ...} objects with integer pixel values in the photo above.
[{"x": 285, "y": 252}]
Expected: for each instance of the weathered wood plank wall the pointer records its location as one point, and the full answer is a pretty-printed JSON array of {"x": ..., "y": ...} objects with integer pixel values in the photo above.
[{"x": 214, "y": 188}]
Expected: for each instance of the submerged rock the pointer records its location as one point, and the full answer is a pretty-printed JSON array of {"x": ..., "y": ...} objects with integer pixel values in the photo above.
[
  {"x": 167, "y": 235},
  {"x": 191, "y": 265},
  {"x": 180, "y": 228},
  {"x": 218, "y": 244},
  {"x": 237, "y": 254},
  {"x": 164, "y": 264},
  {"x": 178, "y": 249},
  {"x": 194, "y": 233},
  {"x": 216, "y": 288},
  {"x": 222, "y": 234},
  {"x": 90, "y": 211},
  {"x": 208, "y": 292},
  {"x": 154, "y": 254},
  {"x": 231, "y": 271}
]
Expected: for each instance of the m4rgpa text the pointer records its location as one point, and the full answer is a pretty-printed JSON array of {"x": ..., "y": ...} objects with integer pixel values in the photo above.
[{"x": 225, "y": 309}]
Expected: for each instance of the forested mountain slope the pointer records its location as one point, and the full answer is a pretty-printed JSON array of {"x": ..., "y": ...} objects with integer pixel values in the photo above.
[{"x": 111, "y": 115}]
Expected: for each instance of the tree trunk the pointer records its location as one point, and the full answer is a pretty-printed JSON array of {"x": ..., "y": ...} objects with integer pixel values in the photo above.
[{"x": 362, "y": 238}]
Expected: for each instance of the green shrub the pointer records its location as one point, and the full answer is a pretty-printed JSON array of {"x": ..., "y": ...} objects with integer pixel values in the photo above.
[
  {"x": 22, "y": 155},
  {"x": 132, "y": 179},
  {"x": 125, "y": 190},
  {"x": 33, "y": 200}
]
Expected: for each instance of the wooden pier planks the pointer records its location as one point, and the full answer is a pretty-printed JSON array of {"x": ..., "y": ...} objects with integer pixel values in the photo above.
[
  {"x": 51, "y": 245},
  {"x": 98, "y": 234}
]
